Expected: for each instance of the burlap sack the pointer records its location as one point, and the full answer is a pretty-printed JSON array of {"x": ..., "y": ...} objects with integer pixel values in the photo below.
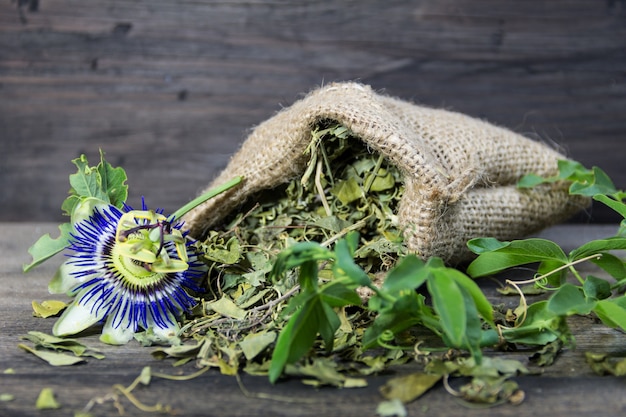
[{"x": 459, "y": 172}]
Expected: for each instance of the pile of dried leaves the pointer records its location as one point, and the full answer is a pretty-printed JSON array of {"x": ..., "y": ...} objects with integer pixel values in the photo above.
[{"x": 346, "y": 188}]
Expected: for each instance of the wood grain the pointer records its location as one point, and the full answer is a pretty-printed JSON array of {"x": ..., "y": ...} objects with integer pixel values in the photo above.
[
  {"x": 567, "y": 388},
  {"x": 170, "y": 89}
]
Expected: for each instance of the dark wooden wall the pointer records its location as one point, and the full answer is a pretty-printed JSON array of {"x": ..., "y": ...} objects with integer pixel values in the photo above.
[{"x": 169, "y": 89}]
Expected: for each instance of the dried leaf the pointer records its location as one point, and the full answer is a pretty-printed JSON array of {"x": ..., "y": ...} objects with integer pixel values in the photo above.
[
  {"x": 54, "y": 343},
  {"x": 255, "y": 343},
  {"x": 226, "y": 307},
  {"x": 324, "y": 372},
  {"x": 603, "y": 364},
  {"x": 391, "y": 408},
  {"x": 46, "y": 400},
  {"x": 489, "y": 390},
  {"x": 48, "y": 308},
  {"x": 526, "y": 290},
  {"x": 347, "y": 191},
  {"x": 409, "y": 387},
  {"x": 145, "y": 376},
  {"x": 53, "y": 358},
  {"x": 6, "y": 397},
  {"x": 547, "y": 355}
]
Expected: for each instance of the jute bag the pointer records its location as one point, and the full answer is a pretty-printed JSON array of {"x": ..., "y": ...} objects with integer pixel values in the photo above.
[{"x": 459, "y": 172}]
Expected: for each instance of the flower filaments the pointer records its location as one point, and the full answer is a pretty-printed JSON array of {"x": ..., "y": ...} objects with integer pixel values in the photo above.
[{"x": 130, "y": 269}]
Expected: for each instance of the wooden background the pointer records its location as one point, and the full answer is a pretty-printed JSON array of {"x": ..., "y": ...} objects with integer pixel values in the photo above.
[{"x": 169, "y": 89}]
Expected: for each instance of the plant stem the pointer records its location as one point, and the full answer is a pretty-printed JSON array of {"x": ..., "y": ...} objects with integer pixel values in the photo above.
[
  {"x": 373, "y": 174},
  {"x": 204, "y": 197},
  {"x": 562, "y": 267}
]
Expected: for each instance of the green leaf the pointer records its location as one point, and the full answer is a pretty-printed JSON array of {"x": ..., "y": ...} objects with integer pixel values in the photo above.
[
  {"x": 569, "y": 300},
  {"x": 596, "y": 288},
  {"x": 408, "y": 274},
  {"x": 6, "y": 397},
  {"x": 618, "y": 206},
  {"x": 89, "y": 187},
  {"x": 449, "y": 304},
  {"x": 294, "y": 340},
  {"x": 530, "y": 181},
  {"x": 587, "y": 182},
  {"x": 539, "y": 326},
  {"x": 598, "y": 183},
  {"x": 518, "y": 252},
  {"x": 46, "y": 247},
  {"x": 597, "y": 246},
  {"x": 485, "y": 244},
  {"x": 345, "y": 267},
  {"x": 86, "y": 182},
  {"x": 332, "y": 223},
  {"x": 328, "y": 323},
  {"x": 337, "y": 294},
  {"x": 297, "y": 337},
  {"x": 227, "y": 253},
  {"x": 404, "y": 312},
  {"x": 112, "y": 181},
  {"x": 473, "y": 335},
  {"x": 547, "y": 354},
  {"x": 612, "y": 312},
  {"x": 297, "y": 255},
  {"x": 552, "y": 271},
  {"x": 572, "y": 170},
  {"x": 483, "y": 306}
]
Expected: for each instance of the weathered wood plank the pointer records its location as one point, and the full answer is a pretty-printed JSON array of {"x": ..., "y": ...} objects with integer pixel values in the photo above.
[
  {"x": 170, "y": 90},
  {"x": 567, "y": 388}
]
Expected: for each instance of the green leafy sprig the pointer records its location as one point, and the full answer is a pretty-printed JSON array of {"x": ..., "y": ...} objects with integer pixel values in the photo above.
[
  {"x": 102, "y": 183},
  {"x": 458, "y": 303},
  {"x": 558, "y": 272}
]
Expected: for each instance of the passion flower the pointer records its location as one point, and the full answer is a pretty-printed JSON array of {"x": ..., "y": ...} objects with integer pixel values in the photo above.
[{"x": 130, "y": 269}]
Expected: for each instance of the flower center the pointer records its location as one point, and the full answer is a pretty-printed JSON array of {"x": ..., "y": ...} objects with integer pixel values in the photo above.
[
  {"x": 143, "y": 247},
  {"x": 134, "y": 272}
]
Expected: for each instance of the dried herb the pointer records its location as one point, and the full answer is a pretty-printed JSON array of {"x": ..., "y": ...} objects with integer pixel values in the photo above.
[{"x": 345, "y": 188}]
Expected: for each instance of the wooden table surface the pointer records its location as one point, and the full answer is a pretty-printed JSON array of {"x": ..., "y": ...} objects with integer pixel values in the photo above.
[{"x": 567, "y": 388}]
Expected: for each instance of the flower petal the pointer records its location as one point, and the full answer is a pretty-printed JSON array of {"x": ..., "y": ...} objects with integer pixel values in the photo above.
[
  {"x": 64, "y": 280},
  {"x": 164, "y": 334},
  {"x": 75, "y": 319},
  {"x": 117, "y": 335},
  {"x": 86, "y": 207}
]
